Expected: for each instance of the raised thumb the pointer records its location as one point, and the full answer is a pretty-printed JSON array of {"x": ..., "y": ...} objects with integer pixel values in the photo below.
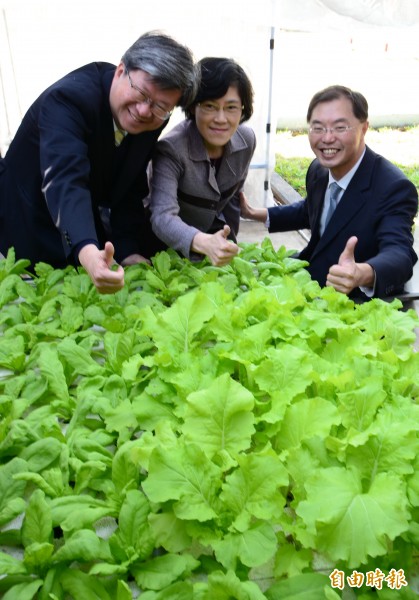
[
  {"x": 226, "y": 231},
  {"x": 109, "y": 252},
  {"x": 348, "y": 254}
]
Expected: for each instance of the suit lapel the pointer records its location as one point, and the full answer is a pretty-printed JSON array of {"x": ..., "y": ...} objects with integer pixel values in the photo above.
[{"x": 351, "y": 203}]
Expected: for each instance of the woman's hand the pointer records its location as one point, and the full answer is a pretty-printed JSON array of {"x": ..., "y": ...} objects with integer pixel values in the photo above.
[{"x": 216, "y": 246}]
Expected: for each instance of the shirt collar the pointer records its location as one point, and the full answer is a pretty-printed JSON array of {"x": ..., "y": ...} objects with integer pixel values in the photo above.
[{"x": 346, "y": 179}]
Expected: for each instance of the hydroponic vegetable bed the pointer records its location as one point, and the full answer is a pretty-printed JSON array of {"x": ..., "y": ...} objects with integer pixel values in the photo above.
[{"x": 205, "y": 433}]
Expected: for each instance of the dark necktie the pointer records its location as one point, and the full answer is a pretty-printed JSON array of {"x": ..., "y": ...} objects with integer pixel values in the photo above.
[{"x": 333, "y": 201}]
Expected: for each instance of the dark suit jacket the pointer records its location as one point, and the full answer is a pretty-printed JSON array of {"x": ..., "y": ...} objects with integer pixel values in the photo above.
[
  {"x": 187, "y": 194},
  {"x": 62, "y": 171},
  {"x": 378, "y": 207}
]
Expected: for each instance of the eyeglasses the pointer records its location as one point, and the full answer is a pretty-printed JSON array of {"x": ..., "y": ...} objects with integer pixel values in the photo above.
[
  {"x": 141, "y": 98},
  {"x": 338, "y": 130},
  {"x": 210, "y": 108}
]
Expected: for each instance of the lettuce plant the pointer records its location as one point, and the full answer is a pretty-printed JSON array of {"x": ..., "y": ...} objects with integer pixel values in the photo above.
[{"x": 205, "y": 433}]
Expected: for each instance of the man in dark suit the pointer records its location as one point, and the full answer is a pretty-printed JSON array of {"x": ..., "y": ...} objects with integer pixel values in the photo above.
[
  {"x": 363, "y": 246},
  {"x": 74, "y": 176}
]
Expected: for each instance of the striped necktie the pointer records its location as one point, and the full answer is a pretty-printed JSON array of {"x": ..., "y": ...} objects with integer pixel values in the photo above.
[{"x": 333, "y": 201}]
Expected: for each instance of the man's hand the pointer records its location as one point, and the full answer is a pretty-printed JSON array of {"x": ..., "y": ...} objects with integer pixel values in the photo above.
[
  {"x": 348, "y": 274},
  {"x": 219, "y": 250},
  {"x": 134, "y": 259},
  {"x": 249, "y": 212},
  {"x": 98, "y": 265}
]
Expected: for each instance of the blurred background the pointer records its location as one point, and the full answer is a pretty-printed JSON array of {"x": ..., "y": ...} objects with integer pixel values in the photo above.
[{"x": 289, "y": 48}]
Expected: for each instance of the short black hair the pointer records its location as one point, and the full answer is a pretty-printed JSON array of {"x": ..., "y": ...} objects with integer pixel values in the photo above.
[
  {"x": 217, "y": 75},
  {"x": 334, "y": 92}
]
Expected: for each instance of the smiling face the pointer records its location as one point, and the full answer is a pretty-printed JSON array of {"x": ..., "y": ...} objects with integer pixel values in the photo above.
[
  {"x": 217, "y": 120},
  {"x": 129, "y": 112},
  {"x": 338, "y": 152}
]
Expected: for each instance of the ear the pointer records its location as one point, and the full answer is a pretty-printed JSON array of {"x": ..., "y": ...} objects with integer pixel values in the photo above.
[
  {"x": 120, "y": 70},
  {"x": 365, "y": 127}
]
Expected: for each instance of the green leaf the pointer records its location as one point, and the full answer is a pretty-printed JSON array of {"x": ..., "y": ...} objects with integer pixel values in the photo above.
[
  {"x": 42, "y": 453},
  {"x": 185, "y": 474},
  {"x": 37, "y": 524},
  {"x": 220, "y": 417},
  {"x": 225, "y": 586},
  {"x": 52, "y": 369},
  {"x": 12, "y": 353},
  {"x": 252, "y": 488},
  {"x": 175, "y": 329},
  {"x": 23, "y": 591},
  {"x": 134, "y": 530},
  {"x": 83, "y": 587},
  {"x": 10, "y": 565},
  {"x": 305, "y": 419},
  {"x": 357, "y": 524},
  {"x": 159, "y": 572},
  {"x": 78, "y": 358},
  {"x": 170, "y": 532},
  {"x": 10, "y": 489},
  {"x": 296, "y": 588},
  {"x": 287, "y": 371},
  {"x": 253, "y": 547},
  {"x": 37, "y": 556},
  {"x": 83, "y": 545}
]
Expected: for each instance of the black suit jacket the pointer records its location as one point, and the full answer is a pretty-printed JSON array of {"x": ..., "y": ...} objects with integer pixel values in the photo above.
[
  {"x": 378, "y": 207},
  {"x": 62, "y": 171}
]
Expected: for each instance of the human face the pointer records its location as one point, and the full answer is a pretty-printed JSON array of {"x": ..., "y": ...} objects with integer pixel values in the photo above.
[
  {"x": 129, "y": 112},
  {"x": 217, "y": 120},
  {"x": 338, "y": 152}
]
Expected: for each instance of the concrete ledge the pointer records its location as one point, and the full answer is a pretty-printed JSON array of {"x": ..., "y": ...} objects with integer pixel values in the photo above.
[{"x": 284, "y": 193}]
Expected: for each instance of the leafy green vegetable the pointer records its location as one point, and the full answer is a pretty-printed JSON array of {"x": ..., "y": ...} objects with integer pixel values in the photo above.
[{"x": 204, "y": 433}]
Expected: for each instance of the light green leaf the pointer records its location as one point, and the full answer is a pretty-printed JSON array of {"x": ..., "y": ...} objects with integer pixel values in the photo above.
[
  {"x": 37, "y": 556},
  {"x": 176, "y": 328},
  {"x": 134, "y": 530},
  {"x": 287, "y": 371},
  {"x": 305, "y": 419},
  {"x": 83, "y": 587},
  {"x": 169, "y": 532},
  {"x": 78, "y": 358},
  {"x": 253, "y": 488},
  {"x": 359, "y": 406},
  {"x": 12, "y": 353},
  {"x": 220, "y": 417},
  {"x": 84, "y": 545},
  {"x": 42, "y": 453},
  {"x": 123, "y": 591},
  {"x": 10, "y": 565},
  {"x": 225, "y": 586},
  {"x": 37, "y": 524},
  {"x": 290, "y": 561},
  {"x": 23, "y": 591},
  {"x": 52, "y": 369},
  {"x": 118, "y": 348},
  {"x": 10, "y": 489},
  {"x": 253, "y": 547},
  {"x": 357, "y": 524},
  {"x": 296, "y": 588},
  {"x": 185, "y": 474},
  {"x": 159, "y": 572}
]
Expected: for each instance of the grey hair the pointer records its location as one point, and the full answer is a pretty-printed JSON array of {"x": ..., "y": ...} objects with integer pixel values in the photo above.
[{"x": 169, "y": 63}]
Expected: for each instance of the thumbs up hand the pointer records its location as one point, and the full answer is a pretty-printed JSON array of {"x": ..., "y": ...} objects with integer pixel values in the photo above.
[
  {"x": 348, "y": 274},
  {"x": 216, "y": 246}
]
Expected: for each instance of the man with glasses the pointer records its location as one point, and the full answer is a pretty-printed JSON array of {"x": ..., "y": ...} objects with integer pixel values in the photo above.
[
  {"x": 74, "y": 176},
  {"x": 359, "y": 207}
]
